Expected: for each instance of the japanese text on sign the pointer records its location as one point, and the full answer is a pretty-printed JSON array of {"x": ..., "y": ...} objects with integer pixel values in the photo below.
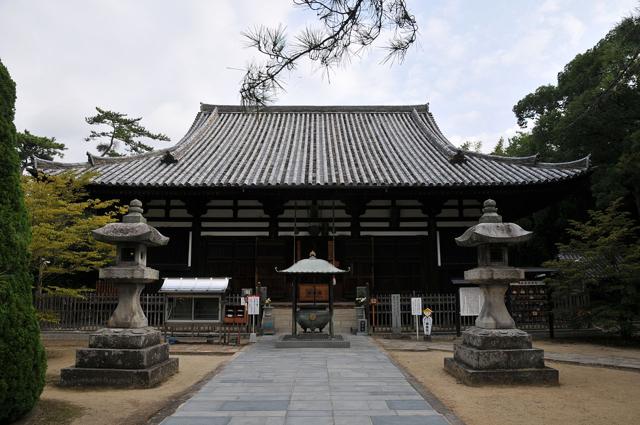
[
  {"x": 416, "y": 306},
  {"x": 254, "y": 305}
]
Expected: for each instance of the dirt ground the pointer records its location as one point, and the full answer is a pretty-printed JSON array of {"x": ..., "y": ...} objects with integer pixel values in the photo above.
[
  {"x": 586, "y": 349},
  {"x": 586, "y": 395},
  {"x": 62, "y": 406}
]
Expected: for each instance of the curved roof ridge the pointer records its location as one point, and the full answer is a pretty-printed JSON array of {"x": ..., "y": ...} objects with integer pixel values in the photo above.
[
  {"x": 96, "y": 159},
  {"x": 524, "y": 160},
  {"x": 56, "y": 164},
  {"x": 205, "y": 107},
  {"x": 432, "y": 121},
  {"x": 532, "y": 160},
  {"x": 582, "y": 163},
  {"x": 445, "y": 148}
]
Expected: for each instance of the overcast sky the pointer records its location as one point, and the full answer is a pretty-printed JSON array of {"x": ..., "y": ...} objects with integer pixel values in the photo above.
[{"x": 160, "y": 59}]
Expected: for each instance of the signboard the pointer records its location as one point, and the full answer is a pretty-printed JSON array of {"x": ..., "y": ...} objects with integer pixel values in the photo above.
[
  {"x": 254, "y": 305},
  {"x": 416, "y": 306},
  {"x": 471, "y": 300}
]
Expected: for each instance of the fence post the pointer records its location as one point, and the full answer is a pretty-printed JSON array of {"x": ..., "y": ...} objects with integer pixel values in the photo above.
[
  {"x": 396, "y": 315},
  {"x": 457, "y": 313},
  {"x": 550, "y": 317}
]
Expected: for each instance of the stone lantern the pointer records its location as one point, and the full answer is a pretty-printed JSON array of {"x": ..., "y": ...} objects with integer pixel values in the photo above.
[
  {"x": 127, "y": 353},
  {"x": 494, "y": 351},
  {"x": 492, "y": 237},
  {"x": 130, "y": 273}
]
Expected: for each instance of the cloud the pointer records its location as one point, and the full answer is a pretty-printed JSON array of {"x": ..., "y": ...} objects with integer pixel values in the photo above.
[{"x": 159, "y": 59}]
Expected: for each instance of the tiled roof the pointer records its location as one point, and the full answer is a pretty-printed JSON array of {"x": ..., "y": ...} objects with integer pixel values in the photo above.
[{"x": 365, "y": 146}]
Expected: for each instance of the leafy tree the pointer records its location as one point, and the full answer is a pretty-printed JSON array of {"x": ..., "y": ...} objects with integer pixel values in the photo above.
[
  {"x": 30, "y": 146},
  {"x": 22, "y": 360},
  {"x": 500, "y": 148},
  {"x": 593, "y": 109},
  {"x": 471, "y": 145},
  {"x": 62, "y": 216},
  {"x": 605, "y": 261},
  {"x": 122, "y": 130},
  {"x": 347, "y": 27}
]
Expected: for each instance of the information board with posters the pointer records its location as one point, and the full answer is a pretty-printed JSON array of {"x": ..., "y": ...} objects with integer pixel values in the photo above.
[{"x": 254, "y": 305}]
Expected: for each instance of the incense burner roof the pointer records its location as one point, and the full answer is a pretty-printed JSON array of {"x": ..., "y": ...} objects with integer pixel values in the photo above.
[{"x": 312, "y": 265}]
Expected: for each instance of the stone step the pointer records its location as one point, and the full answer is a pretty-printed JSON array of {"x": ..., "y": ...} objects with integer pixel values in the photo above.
[
  {"x": 131, "y": 378},
  {"x": 118, "y": 358},
  {"x": 529, "y": 358},
  {"x": 492, "y": 339},
  {"x": 541, "y": 376}
]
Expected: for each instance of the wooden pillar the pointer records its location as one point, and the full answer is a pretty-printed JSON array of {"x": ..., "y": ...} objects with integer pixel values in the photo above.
[
  {"x": 355, "y": 207},
  {"x": 294, "y": 306},
  {"x": 331, "y": 307},
  {"x": 273, "y": 207},
  {"x": 196, "y": 208},
  {"x": 432, "y": 207}
]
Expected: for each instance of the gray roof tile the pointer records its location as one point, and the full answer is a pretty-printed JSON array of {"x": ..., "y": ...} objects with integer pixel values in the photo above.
[{"x": 368, "y": 146}]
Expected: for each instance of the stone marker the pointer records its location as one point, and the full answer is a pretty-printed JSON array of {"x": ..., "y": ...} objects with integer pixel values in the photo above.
[
  {"x": 494, "y": 351},
  {"x": 396, "y": 316},
  {"x": 127, "y": 353}
]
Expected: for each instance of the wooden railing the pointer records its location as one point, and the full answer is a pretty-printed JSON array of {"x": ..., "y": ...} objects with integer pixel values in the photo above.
[
  {"x": 444, "y": 307},
  {"x": 92, "y": 311},
  {"x": 446, "y": 314}
]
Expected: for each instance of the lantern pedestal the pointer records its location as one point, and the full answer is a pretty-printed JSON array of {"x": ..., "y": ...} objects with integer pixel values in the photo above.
[
  {"x": 499, "y": 356},
  {"x": 134, "y": 358}
]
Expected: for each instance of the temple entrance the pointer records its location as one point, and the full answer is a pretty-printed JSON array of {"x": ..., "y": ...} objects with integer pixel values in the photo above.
[{"x": 384, "y": 264}]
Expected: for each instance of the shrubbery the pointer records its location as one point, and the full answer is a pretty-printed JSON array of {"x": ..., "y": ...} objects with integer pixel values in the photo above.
[{"x": 22, "y": 359}]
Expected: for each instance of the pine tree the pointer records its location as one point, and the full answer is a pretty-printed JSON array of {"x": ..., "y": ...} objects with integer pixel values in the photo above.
[
  {"x": 22, "y": 359},
  {"x": 121, "y": 130}
]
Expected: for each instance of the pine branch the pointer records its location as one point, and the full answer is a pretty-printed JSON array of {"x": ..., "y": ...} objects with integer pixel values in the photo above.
[{"x": 348, "y": 28}]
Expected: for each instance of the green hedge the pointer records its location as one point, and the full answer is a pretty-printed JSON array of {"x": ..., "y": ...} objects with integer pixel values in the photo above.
[{"x": 22, "y": 359}]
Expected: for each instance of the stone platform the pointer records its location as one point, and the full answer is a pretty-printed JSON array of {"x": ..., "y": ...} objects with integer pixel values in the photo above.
[
  {"x": 121, "y": 358},
  {"x": 499, "y": 356},
  {"x": 312, "y": 340}
]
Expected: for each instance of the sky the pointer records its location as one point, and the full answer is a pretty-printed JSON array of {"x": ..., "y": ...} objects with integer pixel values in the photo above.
[{"x": 159, "y": 60}]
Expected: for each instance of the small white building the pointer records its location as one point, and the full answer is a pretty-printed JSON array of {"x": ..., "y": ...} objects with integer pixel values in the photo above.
[{"x": 194, "y": 300}]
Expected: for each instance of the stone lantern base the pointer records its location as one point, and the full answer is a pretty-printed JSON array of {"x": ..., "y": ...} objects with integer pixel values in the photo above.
[
  {"x": 134, "y": 358},
  {"x": 499, "y": 356}
]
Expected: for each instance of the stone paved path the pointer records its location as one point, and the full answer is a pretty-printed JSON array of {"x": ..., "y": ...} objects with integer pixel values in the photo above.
[{"x": 269, "y": 386}]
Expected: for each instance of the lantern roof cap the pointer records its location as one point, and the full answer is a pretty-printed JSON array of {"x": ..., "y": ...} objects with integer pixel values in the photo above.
[
  {"x": 132, "y": 229},
  {"x": 491, "y": 229},
  {"x": 312, "y": 265}
]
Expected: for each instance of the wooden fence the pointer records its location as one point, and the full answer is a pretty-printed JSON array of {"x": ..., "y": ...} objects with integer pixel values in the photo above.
[
  {"x": 93, "y": 310},
  {"x": 444, "y": 306},
  {"x": 445, "y": 313}
]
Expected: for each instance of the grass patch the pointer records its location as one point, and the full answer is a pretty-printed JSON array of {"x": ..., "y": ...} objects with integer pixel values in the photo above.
[{"x": 52, "y": 412}]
